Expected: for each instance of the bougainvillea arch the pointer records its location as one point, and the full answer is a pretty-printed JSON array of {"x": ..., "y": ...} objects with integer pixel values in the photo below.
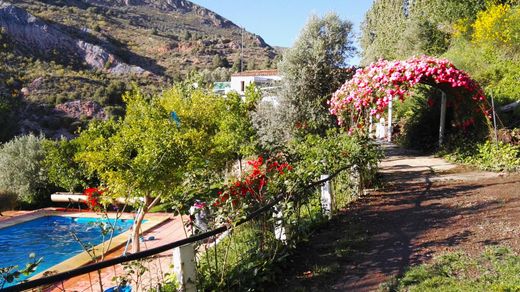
[{"x": 372, "y": 88}]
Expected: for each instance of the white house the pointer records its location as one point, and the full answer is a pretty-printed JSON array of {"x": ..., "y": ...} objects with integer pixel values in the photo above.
[{"x": 261, "y": 78}]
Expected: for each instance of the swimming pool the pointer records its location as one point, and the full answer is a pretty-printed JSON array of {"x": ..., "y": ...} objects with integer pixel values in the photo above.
[{"x": 51, "y": 237}]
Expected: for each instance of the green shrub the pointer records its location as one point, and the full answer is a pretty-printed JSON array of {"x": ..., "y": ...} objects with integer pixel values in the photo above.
[
  {"x": 315, "y": 155},
  {"x": 487, "y": 155},
  {"x": 243, "y": 260},
  {"x": 251, "y": 257},
  {"x": 496, "y": 269},
  {"x": 62, "y": 170},
  {"x": 21, "y": 169}
]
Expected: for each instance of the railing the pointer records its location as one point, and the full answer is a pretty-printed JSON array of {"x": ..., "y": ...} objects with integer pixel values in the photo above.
[{"x": 146, "y": 269}]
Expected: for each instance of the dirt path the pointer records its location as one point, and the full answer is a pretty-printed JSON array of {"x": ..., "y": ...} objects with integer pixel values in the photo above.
[{"x": 427, "y": 206}]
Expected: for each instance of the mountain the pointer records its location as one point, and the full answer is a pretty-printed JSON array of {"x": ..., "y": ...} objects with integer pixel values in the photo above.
[{"x": 59, "y": 52}]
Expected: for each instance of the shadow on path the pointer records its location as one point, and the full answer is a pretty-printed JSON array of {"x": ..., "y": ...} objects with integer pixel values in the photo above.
[{"x": 382, "y": 234}]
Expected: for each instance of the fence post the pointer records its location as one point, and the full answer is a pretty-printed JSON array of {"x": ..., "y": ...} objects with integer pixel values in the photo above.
[
  {"x": 327, "y": 198},
  {"x": 184, "y": 267},
  {"x": 355, "y": 175},
  {"x": 279, "y": 228}
]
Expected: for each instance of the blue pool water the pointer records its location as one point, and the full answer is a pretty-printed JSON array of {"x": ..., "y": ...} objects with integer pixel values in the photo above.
[{"x": 50, "y": 237}]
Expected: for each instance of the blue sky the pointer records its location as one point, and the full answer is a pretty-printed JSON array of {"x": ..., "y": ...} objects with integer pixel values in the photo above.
[{"x": 280, "y": 21}]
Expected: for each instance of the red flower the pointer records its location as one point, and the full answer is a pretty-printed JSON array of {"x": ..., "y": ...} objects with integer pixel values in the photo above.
[
  {"x": 93, "y": 195},
  {"x": 252, "y": 188}
]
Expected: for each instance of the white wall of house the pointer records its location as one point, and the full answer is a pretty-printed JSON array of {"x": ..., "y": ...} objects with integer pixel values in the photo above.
[{"x": 239, "y": 83}]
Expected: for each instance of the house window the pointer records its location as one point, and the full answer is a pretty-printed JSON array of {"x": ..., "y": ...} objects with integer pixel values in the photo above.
[{"x": 242, "y": 86}]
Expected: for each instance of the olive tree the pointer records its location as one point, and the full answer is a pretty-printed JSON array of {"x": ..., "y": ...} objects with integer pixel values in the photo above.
[
  {"x": 21, "y": 168},
  {"x": 314, "y": 68}
]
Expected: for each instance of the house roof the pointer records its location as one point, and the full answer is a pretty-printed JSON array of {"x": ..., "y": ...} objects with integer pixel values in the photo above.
[{"x": 273, "y": 72}]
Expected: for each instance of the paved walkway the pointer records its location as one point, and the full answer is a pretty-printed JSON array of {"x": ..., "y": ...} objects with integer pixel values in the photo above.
[
  {"x": 411, "y": 166},
  {"x": 154, "y": 268}
]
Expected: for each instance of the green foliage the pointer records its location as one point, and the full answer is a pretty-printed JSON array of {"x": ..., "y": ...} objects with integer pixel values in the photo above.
[
  {"x": 396, "y": 29},
  {"x": 219, "y": 74},
  {"x": 313, "y": 156},
  {"x": 168, "y": 144},
  {"x": 63, "y": 170},
  {"x": 487, "y": 155},
  {"x": 219, "y": 61},
  {"x": 273, "y": 123},
  {"x": 22, "y": 170},
  {"x": 251, "y": 256},
  {"x": 314, "y": 68},
  {"x": 7, "y": 107},
  {"x": 236, "y": 134},
  {"x": 245, "y": 259},
  {"x": 496, "y": 269},
  {"x": 138, "y": 155}
]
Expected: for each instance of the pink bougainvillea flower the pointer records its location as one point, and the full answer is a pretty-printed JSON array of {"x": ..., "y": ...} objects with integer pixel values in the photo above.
[{"x": 372, "y": 88}]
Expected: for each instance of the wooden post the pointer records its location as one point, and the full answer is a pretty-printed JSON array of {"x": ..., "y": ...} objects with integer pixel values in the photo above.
[
  {"x": 327, "y": 198},
  {"x": 279, "y": 228},
  {"x": 443, "y": 119},
  {"x": 184, "y": 267},
  {"x": 390, "y": 129},
  {"x": 355, "y": 175}
]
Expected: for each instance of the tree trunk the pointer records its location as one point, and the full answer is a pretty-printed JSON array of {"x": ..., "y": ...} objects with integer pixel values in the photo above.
[{"x": 147, "y": 205}]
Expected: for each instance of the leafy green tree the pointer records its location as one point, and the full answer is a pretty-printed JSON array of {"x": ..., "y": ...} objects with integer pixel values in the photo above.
[
  {"x": 8, "y": 199},
  {"x": 236, "y": 64},
  {"x": 162, "y": 142},
  {"x": 22, "y": 170},
  {"x": 63, "y": 170},
  {"x": 398, "y": 29},
  {"x": 313, "y": 68},
  {"x": 236, "y": 133}
]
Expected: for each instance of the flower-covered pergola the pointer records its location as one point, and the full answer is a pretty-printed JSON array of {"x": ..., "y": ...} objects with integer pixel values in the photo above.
[{"x": 373, "y": 89}]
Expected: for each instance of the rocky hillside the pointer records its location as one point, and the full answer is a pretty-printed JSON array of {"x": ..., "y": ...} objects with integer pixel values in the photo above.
[
  {"x": 58, "y": 51},
  {"x": 165, "y": 37},
  {"x": 39, "y": 37}
]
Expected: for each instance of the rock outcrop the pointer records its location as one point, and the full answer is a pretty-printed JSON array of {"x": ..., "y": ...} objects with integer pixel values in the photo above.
[
  {"x": 78, "y": 109},
  {"x": 38, "y": 35}
]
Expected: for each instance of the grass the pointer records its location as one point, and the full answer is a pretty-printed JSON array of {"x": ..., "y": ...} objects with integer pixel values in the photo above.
[{"x": 496, "y": 269}]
